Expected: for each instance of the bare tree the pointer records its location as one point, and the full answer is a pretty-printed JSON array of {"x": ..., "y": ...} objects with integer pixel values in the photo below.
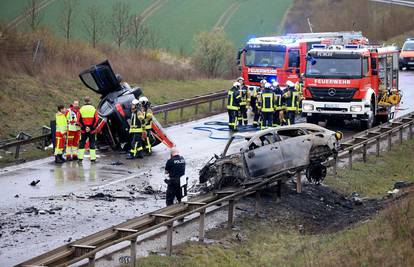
[
  {"x": 68, "y": 17},
  {"x": 121, "y": 21},
  {"x": 152, "y": 39},
  {"x": 138, "y": 32},
  {"x": 93, "y": 24},
  {"x": 33, "y": 14}
]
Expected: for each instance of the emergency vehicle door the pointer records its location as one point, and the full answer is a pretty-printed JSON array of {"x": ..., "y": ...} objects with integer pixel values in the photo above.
[{"x": 100, "y": 78}]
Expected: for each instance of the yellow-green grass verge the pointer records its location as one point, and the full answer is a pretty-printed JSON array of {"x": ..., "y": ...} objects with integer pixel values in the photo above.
[{"x": 379, "y": 175}]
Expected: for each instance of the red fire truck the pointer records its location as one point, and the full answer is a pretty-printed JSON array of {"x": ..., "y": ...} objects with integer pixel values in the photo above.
[
  {"x": 279, "y": 58},
  {"x": 351, "y": 82}
]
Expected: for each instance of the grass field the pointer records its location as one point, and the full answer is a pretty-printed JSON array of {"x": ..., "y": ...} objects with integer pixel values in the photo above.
[{"x": 175, "y": 22}]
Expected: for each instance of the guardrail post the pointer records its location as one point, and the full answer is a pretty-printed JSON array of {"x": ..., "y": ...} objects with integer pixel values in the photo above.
[
  {"x": 196, "y": 109},
  {"x": 17, "y": 153},
  {"x": 170, "y": 229},
  {"x": 258, "y": 204},
  {"x": 411, "y": 130},
  {"x": 181, "y": 113},
  {"x": 165, "y": 116},
  {"x": 223, "y": 103},
  {"x": 298, "y": 182},
  {"x": 133, "y": 252},
  {"x": 210, "y": 106},
  {"x": 401, "y": 134},
  {"x": 230, "y": 219},
  {"x": 279, "y": 189},
  {"x": 201, "y": 229},
  {"x": 350, "y": 158},
  {"x": 389, "y": 140},
  {"x": 91, "y": 262},
  {"x": 335, "y": 166},
  {"x": 378, "y": 146},
  {"x": 364, "y": 153}
]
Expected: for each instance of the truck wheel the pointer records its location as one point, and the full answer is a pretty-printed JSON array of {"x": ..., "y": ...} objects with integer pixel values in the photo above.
[{"x": 369, "y": 123}]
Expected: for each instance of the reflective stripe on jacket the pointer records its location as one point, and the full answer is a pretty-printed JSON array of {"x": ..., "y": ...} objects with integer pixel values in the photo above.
[
  {"x": 268, "y": 101},
  {"x": 233, "y": 99},
  {"x": 72, "y": 117},
  {"x": 136, "y": 122}
]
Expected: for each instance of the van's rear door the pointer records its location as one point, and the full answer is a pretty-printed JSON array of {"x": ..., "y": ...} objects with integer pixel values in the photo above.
[{"x": 100, "y": 78}]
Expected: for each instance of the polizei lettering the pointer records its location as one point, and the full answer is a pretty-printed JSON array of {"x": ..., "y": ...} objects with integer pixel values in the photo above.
[{"x": 332, "y": 81}]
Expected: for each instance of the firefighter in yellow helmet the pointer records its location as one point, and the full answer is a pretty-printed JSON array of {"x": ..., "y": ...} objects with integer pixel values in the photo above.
[
  {"x": 136, "y": 129},
  {"x": 60, "y": 133},
  {"x": 233, "y": 105},
  {"x": 148, "y": 116}
]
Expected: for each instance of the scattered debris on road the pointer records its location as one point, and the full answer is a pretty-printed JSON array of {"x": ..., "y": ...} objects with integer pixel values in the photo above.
[{"x": 34, "y": 182}]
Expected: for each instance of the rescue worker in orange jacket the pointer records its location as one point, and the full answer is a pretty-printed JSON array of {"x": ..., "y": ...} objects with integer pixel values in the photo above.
[
  {"x": 136, "y": 129},
  {"x": 60, "y": 134},
  {"x": 147, "y": 123},
  {"x": 73, "y": 131},
  {"x": 88, "y": 120}
]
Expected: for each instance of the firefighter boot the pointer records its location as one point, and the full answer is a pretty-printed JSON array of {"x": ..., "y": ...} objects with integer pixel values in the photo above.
[
  {"x": 130, "y": 156},
  {"x": 58, "y": 159},
  {"x": 140, "y": 154}
]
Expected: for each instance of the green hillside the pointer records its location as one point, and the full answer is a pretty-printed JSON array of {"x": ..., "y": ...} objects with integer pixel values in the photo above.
[{"x": 174, "y": 22}]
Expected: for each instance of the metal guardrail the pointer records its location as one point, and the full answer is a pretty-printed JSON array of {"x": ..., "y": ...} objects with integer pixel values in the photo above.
[
  {"x": 396, "y": 2},
  {"x": 88, "y": 247},
  {"x": 163, "y": 108}
]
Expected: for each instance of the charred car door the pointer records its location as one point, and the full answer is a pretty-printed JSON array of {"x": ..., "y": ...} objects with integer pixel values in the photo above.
[
  {"x": 100, "y": 78},
  {"x": 264, "y": 156},
  {"x": 295, "y": 146}
]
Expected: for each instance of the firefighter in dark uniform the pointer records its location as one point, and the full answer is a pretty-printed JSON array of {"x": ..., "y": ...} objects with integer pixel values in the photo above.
[
  {"x": 251, "y": 101},
  {"x": 135, "y": 129},
  {"x": 147, "y": 123},
  {"x": 233, "y": 105},
  {"x": 291, "y": 97},
  {"x": 175, "y": 168},
  {"x": 242, "y": 116},
  {"x": 278, "y": 104},
  {"x": 257, "y": 112},
  {"x": 267, "y": 106}
]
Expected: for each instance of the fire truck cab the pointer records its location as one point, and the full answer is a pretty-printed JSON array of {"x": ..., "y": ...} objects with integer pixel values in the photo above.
[{"x": 351, "y": 82}]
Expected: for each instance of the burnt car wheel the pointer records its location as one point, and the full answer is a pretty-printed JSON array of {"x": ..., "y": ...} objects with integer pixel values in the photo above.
[{"x": 316, "y": 172}]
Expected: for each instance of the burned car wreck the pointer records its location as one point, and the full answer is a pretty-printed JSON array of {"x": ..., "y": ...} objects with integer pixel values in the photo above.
[{"x": 269, "y": 152}]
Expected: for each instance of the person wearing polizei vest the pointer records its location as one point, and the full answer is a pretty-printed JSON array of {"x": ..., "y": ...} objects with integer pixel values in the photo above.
[
  {"x": 73, "y": 131},
  {"x": 233, "y": 105},
  {"x": 291, "y": 97},
  {"x": 136, "y": 129},
  {"x": 278, "y": 104},
  {"x": 147, "y": 124},
  {"x": 175, "y": 168},
  {"x": 88, "y": 120},
  {"x": 268, "y": 106},
  {"x": 242, "y": 114},
  {"x": 60, "y": 134}
]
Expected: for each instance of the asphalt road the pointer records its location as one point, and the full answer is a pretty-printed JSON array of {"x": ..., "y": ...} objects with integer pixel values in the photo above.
[{"x": 66, "y": 188}]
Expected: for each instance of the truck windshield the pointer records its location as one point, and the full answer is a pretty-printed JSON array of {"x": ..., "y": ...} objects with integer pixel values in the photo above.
[
  {"x": 265, "y": 58},
  {"x": 408, "y": 46},
  {"x": 334, "y": 68}
]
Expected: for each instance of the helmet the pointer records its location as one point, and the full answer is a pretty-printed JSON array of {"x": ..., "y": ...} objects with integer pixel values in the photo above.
[
  {"x": 143, "y": 99},
  {"x": 236, "y": 84},
  {"x": 290, "y": 83},
  {"x": 275, "y": 84},
  {"x": 267, "y": 85},
  {"x": 118, "y": 77},
  {"x": 263, "y": 81},
  {"x": 135, "y": 102},
  {"x": 240, "y": 79}
]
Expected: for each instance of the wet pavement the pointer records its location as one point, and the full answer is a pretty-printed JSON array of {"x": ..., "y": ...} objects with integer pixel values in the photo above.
[{"x": 62, "y": 210}]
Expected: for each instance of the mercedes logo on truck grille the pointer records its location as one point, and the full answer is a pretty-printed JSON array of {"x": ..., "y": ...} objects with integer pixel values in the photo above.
[{"x": 331, "y": 91}]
